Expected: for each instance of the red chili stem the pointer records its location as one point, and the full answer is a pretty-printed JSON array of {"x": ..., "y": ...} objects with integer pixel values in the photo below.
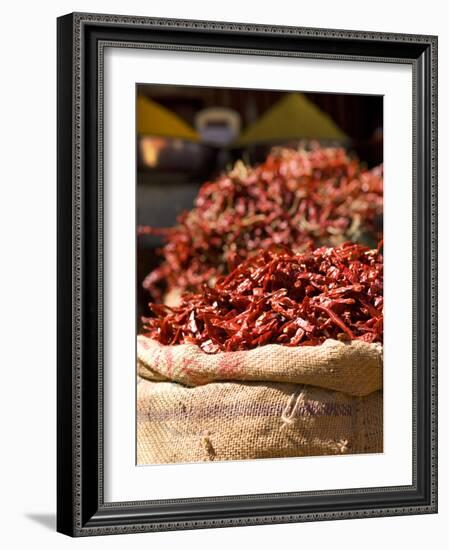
[{"x": 336, "y": 319}]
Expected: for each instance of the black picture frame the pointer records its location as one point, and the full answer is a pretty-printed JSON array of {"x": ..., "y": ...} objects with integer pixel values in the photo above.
[{"x": 81, "y": 509}]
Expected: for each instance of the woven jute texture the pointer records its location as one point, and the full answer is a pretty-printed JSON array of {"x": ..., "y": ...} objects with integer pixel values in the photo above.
[
  {"x": 272, "y": 401},
  {"x": 247, "y": 420},
  {"x": 355, "y": 368}
]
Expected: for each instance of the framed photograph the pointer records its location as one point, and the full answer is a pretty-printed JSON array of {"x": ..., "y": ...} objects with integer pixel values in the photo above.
[{"x": 247, "y": 278}]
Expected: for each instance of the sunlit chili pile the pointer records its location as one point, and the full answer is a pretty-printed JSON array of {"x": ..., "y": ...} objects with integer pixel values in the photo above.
[
  {"x": 278, "y": 297},
  {"x": 321, "y": 196}
]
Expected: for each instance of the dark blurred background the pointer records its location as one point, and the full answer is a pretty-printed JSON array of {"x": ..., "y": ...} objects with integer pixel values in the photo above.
[{"x": 187, "y": 135}]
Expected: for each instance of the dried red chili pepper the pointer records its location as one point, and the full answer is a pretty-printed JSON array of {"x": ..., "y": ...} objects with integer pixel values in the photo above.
[
  {"x": 295, "y": 198},
  {"x": 281, "y": 297}
]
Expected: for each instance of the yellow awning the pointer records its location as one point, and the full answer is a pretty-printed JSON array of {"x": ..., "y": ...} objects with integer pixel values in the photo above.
[
  {"x": 155, "y": 120},
  {"x": 292, "y": 117}
]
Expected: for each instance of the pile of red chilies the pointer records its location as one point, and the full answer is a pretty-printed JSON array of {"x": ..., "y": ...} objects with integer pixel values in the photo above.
[
  {"x": 295, "y": 198},
  {"x": 278, "y": 297}
]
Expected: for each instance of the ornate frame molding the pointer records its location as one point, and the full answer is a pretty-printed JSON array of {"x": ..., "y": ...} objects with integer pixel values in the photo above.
[{"x": 81, "y": 510}]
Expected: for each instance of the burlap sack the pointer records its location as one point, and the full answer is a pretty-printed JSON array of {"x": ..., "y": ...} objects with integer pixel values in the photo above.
[
  {"x": 351, "y": 367},
  {"x": 273, "y": 401}
]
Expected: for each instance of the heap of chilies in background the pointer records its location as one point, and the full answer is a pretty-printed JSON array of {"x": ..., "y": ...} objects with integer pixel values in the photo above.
[
  {"x": 279, "y": 297},
  {"x": 295, "y": 198}
]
